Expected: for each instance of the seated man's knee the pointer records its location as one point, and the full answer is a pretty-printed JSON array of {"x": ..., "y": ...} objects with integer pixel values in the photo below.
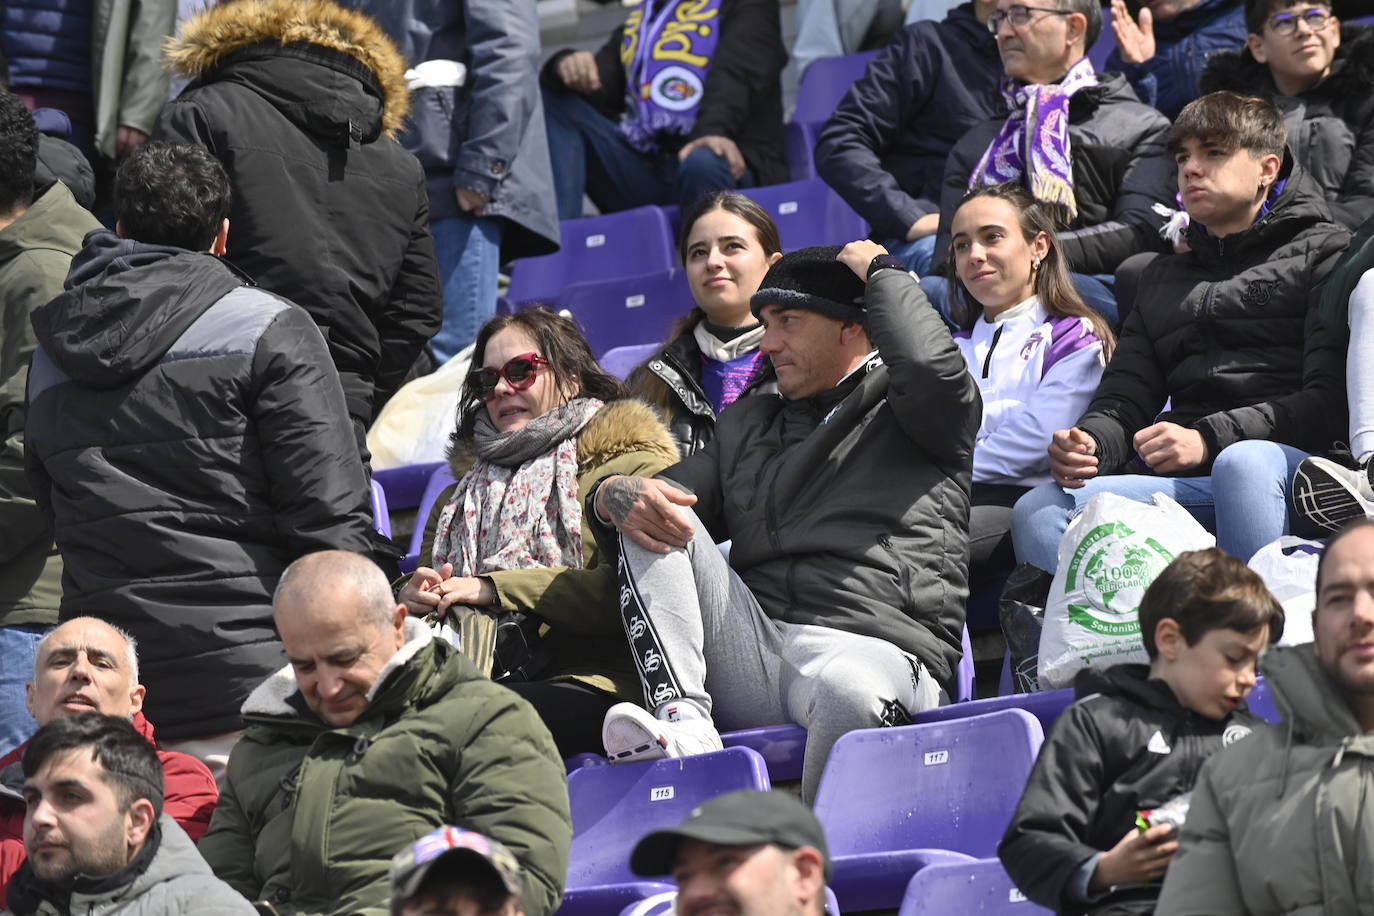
[
  {"x": 1251, "y": 459},
  {"x": 704, "y": 169}
]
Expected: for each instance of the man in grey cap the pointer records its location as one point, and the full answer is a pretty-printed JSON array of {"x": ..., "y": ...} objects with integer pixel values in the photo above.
[
  {"x": 456, "y": 872},
  {"x": 748, "y": 853}
]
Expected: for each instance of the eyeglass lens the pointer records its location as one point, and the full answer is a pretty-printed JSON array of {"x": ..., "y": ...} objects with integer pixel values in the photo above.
[{"x": 1287, "y": 23}]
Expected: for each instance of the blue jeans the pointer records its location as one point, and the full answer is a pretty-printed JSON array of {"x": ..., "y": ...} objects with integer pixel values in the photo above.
[
  {"x": 917, "y": 255},
  {"x": 590, "y": 156},
  {"x": 1244, "y": 503},
  {"x": 468, "y": 250},
  {"x": 18, "y": 651},
  {"x": 1094, "y": 288}
]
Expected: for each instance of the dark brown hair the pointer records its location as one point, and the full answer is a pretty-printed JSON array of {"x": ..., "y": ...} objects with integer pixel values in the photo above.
[
  {"x": 1331, "y": 542},
  {"x": 559, "y": 341},
  {"x": 1208, "y": 590},
  {"x": 1257, "y": 12},
  {"x": 643, "y": 383},
  {"x": 1054, "y": 285},
  {"x": 1230, "y": 122}
]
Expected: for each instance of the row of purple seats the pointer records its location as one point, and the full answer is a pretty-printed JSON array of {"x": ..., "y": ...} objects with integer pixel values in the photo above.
[
  {"x": 662, "y": 905},
  {"x": 823, "y": 87}
]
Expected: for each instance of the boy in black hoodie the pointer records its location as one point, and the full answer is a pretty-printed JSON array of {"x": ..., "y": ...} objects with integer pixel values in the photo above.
[{"x": 1136, "y": 738}]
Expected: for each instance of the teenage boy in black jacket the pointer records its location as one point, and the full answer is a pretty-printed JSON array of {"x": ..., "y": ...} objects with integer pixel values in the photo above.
[{"x": 1136, "y": 738}]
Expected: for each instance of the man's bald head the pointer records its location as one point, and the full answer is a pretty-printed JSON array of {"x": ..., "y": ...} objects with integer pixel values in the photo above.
[
  {"x": 330, "y": 574},
  {"x": 85, "y": 665},
  {"x": 340, "y": 626}
]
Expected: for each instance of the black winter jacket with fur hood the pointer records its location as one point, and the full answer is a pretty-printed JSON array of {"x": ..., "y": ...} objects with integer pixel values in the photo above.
[
  {"x": 301, "y": 101},
  {"x": 1330, "y": 127}
]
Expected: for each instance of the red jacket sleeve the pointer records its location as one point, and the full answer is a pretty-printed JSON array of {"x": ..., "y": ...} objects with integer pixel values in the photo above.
[{"x": 190, "y": 792}]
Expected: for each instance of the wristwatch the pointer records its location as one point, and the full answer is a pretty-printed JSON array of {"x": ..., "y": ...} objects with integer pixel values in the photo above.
[{"x": 882, "y": 261}]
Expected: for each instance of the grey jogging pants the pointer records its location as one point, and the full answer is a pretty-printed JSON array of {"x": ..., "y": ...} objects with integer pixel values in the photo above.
[{"x": 697, "y": 633}]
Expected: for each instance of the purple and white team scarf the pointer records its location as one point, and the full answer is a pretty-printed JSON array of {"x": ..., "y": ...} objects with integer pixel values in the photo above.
[
  {"x": 666, "y": 50},
  {"x": 1034, "y": 140}
]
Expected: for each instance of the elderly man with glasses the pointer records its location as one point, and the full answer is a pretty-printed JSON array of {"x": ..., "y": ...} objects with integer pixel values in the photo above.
[{"x": 1081, "y": 142}]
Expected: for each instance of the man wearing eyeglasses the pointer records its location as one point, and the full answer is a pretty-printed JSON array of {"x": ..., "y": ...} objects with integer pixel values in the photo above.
[
  {"x": 1162, "y": 45},
  {"x": 1080, "y": 141},
  {"x": 1321, "y": 75}
]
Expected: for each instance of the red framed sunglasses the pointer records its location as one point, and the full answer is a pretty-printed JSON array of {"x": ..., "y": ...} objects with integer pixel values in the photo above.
[{"x": 519, "y": 372}]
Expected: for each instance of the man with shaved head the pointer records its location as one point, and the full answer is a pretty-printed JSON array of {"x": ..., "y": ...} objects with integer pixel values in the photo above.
[
  {"x": 373, "y": 735},
  {"x": 86, "y": 665}
]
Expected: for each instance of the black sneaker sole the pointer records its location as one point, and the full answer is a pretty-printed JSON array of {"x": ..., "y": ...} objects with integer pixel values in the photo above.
[{"x": 1324, "y": 499}]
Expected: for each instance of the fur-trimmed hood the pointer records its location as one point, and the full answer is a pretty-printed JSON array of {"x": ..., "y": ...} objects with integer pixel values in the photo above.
[
  {"x": 620, "y": 428},
  {"x": 1352, "y": 72},
  {"x": 211, "y": 36}
]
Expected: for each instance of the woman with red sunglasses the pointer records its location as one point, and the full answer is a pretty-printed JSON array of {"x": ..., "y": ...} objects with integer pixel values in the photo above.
[{"x": 539, "y": 423}]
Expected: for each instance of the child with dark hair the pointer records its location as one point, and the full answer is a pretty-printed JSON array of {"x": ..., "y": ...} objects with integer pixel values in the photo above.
[
  {"x": 1087, "y": 836},
  {"x": 1321, "y": 74},
  {"x": 1226, "y": 375}
]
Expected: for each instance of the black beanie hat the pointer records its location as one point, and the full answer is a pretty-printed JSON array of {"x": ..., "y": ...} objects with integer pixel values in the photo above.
[{"x": 811, "y": 279}]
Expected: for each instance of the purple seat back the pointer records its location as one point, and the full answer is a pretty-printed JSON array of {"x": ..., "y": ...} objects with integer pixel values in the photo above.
[
  {"x": 1105, "y": 44},
  {"x": 595, "y": 248},
  {"x": 801, "y": 149},
  {"x": 381, "y": 517},
  {"x": 964, "y": 673},
  {"x": 824, "y": 84},
  {"x": 620, "y": 312},
  {"x": 662, "y": 904},
  {"x": 439, "y": 479},
  {"x": 1046, "y": 707},
  {"x": 783, "y": 748},
  {"x": 614, "y": 806},
  {"x": 809, "y": 213},
  {"x": 942, "y": 785},
  {"x": 621, "y": 361},
  {"x": 1261, "y": 703},
  {"x": 980, "y": 886},
  {"x": 405, "y": 484}
]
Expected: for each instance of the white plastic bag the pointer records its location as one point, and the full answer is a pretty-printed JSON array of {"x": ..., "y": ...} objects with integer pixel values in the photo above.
[
  {"x": 1289, "y": 567},
  {"x": 1107, "y": 558},
  {"x": 415, "y": 425}
]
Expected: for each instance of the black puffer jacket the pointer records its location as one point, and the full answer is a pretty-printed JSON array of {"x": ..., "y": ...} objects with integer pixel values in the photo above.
[
  {"x": 670, "y": 380},
  {"x": 884, "y": 149},
  {"x": 849, "y": 509},
  {"x": 1231, "y": 334},
  {"x": 328, "y": 210},
  {"x": 1125, "y": 746},
  {"x": 1330, "y": 126},
  {"x": 742, "y": 98},
  {"x": 1121, "y": 169},
  {"x": 188, "y": 434}
]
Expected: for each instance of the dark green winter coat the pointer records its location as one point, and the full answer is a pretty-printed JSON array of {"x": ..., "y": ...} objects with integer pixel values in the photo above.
[
  {"x": 35, "y": 254},
  {"x": 1283, "y": 823},
  {"x": 311, "y": 815}
]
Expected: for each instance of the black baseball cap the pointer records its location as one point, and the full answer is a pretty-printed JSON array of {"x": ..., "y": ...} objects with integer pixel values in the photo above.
[{"x": 741, "y": 818}]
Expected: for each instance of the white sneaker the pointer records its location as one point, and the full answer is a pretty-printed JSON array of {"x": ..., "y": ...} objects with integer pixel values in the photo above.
[
  {"x": 632, "y": 733},
  {"x": 1329, "y": 495}
]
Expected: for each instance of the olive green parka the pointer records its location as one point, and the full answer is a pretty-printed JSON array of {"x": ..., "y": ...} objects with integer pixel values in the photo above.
[{"x": 310, "y": 815}]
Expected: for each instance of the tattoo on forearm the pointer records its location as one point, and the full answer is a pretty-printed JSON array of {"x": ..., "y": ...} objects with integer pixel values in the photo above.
[{"x": 621, "y": 496}]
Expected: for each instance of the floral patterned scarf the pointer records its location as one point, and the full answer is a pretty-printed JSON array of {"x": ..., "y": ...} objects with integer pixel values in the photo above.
[{"x": 517, "y": 507}]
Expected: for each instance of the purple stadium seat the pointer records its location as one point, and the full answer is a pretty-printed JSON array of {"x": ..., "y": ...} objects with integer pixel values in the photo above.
[
  {"x": 981, "y": 886},
  {"x": 630, "y": 310},
  {"x": 1261, "y": 703},
  {"x": 783, "y": 747},
  {"x": 381, "y": 518},
  {"x": 1046, "y": 707},
  {"x": 578, "y": 761},
  {"x": 1360, "y": 20},
  {"x": 405, "y": 484},
  {"x": 595, "y": 248},
  {"x": 439, "y": 479},
  {"x": 621, "y": 361},
  {"x": 824, "y": 84},
  {"x": 895, "y": 800},
  {"x": 800, "y": 149},
  {"x": 613, "y": 806},
  {"x": 1105, "y": 44},
  {"x": 809, "y": 213},
  {"x": 964, "y": 673}
]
